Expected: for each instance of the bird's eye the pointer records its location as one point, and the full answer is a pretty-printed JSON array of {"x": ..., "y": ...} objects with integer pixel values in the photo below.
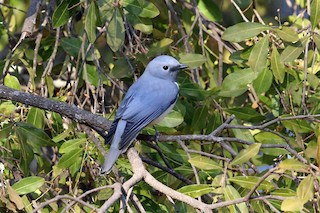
[{"x": 165, "y": 67}]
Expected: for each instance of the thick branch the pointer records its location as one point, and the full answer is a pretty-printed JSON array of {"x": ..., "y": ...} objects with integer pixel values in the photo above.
[{"x": 96, "y": 122}]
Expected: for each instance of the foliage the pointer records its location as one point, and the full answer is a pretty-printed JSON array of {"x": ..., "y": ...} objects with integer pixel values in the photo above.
[{"x": 87, "y": 53}]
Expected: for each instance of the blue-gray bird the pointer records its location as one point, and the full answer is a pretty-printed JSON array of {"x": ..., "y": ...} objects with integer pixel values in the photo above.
[{"x": 146, "y": 102}]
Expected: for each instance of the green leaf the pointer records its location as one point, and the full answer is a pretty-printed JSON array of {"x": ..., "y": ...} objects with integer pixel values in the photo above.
[
  {"x": 36, "y": 117},
  {"x": 61, "y": 14},
  {"x": 246, "y": 113},
  {"x": 196, "y": 190},
  {"x": 284, "y": 192},
  {"x": 293, "y": 164},
  {"x": 209, "y": 10},
  {"x": 302, "y": 126},
  {"x": 277, "y": 66},
  {"x": 230, "y": 193},
  {"x": 315, "y": 13},
  {"x": 142, "y": 24},
  {"x": 192, "y": 60},
  {"x": 12, "y": 82},
  {"x": 269, "y": 138},
  {"x": 144, "y": 9},
  {"x": 292, "y": 51},
  {"x": 173, "y": 119},
  {"x": 235, "y": 84},
  {"x": 36, "y": 137},
  {"x": 115, "y": 31},
  {"x": 71, "y": 46},
  {"x": 316, "y": 39},
  {"x": 259, "y": 53},
  {"x": 263, "y": 82},
  {"x": 246, "y": 154},
  {"x": 28, "y": 185},
  {"x": 7, "y": 107},
  {"x": 149, "y": 10},
  {"x": 159, "y": 47},
  {"x": 288, "y": 34},
  {"x": 292, "y": 204},
  {"x": 204, "y": 163},
  {"x": 91, "y": 21},
  {"x": 72, "y": 144},
  {"x": 244, "y": 134},
  {"x": 92, "y": 75},
  {"x": 248, "y": 182},
  {"x": 70, "y": 158},
  {"x": 192, "y": 90},
  {"x": 305, "y": 189},
  {"x": 240, "y": 32},
  {"x": 199, "y": 118},
  {"x": 5, "y": 130},
  {"x": 120, "y": 69}
]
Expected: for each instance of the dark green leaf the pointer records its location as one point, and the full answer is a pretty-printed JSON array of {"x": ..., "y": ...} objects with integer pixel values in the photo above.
[
  {"x": 302, "y": 126},
  {"x": 35, "y": 137},
  {"x": 199, "y": 118},
  {"x": 142, "y": 24},
  {"x": 120, "y": 69},
  {"x": 115, "y": 31},
  {"x": 246, "y": 113},
  {"x": 61, "y": 14},
  {"x": 240, "y": 32},
  {"x": 259, "y": 53},
  {"x": 5, "y": 131},
  {"x": 71, "y": 46},
  {"x": 144, "y": 9},
  {"x": 91, "y": 21},
  {"x": 277, "y": 66}
]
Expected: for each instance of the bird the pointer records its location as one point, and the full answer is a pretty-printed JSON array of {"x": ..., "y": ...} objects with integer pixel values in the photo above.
[{"x": 146, "y": 102}]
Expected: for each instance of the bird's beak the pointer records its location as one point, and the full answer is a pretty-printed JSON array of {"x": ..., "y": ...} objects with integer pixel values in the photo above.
[
  {"x": 178, "y": 67},
  {"x": 182, "y": 66}
]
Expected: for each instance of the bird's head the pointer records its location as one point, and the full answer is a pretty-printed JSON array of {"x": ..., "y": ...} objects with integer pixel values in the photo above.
[{"x": 165, "y": 67}]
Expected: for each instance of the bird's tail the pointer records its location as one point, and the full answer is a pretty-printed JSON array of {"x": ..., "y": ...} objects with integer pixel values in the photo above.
[
  {"x": 110, "y": 159},
  {"x": 114, "y": 151}
]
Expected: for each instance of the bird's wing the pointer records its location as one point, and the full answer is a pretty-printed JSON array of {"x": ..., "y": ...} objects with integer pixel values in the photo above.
[{"x": 145, "y": 106}]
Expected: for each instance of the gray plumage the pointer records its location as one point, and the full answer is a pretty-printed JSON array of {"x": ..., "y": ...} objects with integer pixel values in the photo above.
[{"x": 147, "y": 101}]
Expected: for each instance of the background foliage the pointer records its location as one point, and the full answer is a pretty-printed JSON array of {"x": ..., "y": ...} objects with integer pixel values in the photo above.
[{"x": 261, "y": 67}]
